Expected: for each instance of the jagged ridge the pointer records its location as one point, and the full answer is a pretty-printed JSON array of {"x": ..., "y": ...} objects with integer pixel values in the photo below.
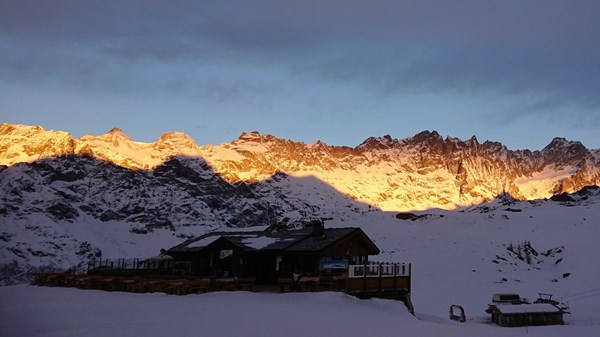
[{"x": 419, "y": 172}]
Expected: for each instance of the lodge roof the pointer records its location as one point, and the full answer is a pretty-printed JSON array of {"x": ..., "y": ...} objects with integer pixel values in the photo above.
[
  {"x": 329, "y": 237},
  {"x": 290, "y": 240},
  {"x": 535, "y": 308}
]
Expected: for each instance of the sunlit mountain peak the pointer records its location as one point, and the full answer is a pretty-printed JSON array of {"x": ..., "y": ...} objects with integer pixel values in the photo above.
[{"x": 419, "y": 172}]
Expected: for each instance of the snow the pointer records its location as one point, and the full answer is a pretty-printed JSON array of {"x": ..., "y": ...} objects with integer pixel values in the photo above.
[
  {"x": 540, "y": 184},
  {"x": 203, "y": 242},
  {"x": 259, "y": 242},
  {"x": 452, "y": 257},
  {"x": 250, "y": 240},
  {"x": 225, "y": 152},
  {"x": 535, "y": 307},
  {"x": 64, "y": 312}
]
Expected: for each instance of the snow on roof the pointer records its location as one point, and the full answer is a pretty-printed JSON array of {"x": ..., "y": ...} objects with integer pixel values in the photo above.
[
  {"x": 527, "y": 308},
  {"x": 259, "y": 242},
  {"x": 265, "y": 240},
  {"x": 251, "y": 240},
  {"x": 203, "y": 242},
  {"x": 295, "y": 240}
]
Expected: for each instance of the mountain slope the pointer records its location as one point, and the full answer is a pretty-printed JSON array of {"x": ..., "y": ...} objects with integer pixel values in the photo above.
[
  {"x": 58, "y": 213},
  {"x": 420, "y": 172}
]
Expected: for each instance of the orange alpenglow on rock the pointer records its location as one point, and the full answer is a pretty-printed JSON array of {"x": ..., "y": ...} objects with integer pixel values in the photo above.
[{"x": 421, "y": 172}]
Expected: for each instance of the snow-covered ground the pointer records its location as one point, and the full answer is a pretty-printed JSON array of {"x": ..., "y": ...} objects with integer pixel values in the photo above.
[
  {"x": 458, "y": 257},
  {"x": 463, "y": 257},
  {"x": 64, "y": 312}
]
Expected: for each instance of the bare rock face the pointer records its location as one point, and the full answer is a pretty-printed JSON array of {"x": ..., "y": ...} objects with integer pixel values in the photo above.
[
  {"x": 419, "y": 172},
  {"x": 19, "y": 143}
]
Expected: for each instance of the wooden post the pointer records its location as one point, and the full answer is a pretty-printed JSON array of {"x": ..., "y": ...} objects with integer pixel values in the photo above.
[
  {"x": 395, "y": 265},
  {"x": 379, "y": 281},
  {"x": 409, "y": 276},
  {"x": 365, "y": 277}
]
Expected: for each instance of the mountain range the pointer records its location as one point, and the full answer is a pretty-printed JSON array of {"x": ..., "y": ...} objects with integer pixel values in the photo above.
[
  {"x": 420, "y": 172},
  {"x": 66, "y": 194}
]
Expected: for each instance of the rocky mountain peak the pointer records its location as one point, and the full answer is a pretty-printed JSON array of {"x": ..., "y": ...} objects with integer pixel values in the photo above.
[
  {"x": 6, "y": 128},
  {"x": 430, "y": 141},
  {"x": 116, "y": 132},
  {"x": 564, "y": 151},
  {"x": 254, "y": 141},
  {"x": 560, "y": 143},
  {"x": 175, "y": 141},
  {"x": 250, "y": 136},
  {"x": 427, "y": 137},
  {"x": 557, "y": 142},
  {"x": 378, "y": 143},
  {"x": 494, "y": 147},
  {"x": 23, "y": 130},
  {"x": 115, "y": 138},
  {"x": 318, "y": 145},
  {"x": 473, "y": 140},
  {"x": 23, "y": 143}
]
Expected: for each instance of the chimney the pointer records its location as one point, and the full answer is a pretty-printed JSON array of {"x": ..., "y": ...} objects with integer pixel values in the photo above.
[{"x": 318, "y": 228}]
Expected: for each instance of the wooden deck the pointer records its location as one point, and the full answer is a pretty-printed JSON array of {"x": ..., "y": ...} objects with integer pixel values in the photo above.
[
  {"x": 144, "y": 284},
  {"x": 313, "y": 283},
  {"x": 381, "y": 280},
  {"x": 378, "y": 284},
  {"x": 183, "y": 285},
  {"x": 374, "y": 280}
]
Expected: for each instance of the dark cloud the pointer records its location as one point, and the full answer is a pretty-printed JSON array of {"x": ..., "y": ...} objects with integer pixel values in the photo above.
[{"x": 549, "y": 50}]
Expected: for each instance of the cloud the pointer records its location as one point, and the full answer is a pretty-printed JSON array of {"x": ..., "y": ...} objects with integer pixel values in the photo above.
[{"x": 548, "y": 50}]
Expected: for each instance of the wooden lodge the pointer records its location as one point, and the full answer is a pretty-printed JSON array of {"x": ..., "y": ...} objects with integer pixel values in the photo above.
[
  {"x": 270, "y": 255},
  {"x": 332, "y": 259}
]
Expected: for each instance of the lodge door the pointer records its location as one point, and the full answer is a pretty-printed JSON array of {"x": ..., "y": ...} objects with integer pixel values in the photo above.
[{"x": 265, "y": 270}]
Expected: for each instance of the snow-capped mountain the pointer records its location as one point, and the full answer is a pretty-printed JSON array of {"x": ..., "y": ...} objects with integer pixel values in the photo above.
[
  {"x": 420, "y": 172},
  {"x": 69, "y": 199}
]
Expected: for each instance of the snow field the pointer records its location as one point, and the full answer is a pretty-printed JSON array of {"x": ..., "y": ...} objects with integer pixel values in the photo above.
[{"x": 65, "y": 312}]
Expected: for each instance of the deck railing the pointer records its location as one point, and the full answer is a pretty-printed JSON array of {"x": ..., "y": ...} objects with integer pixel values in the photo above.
[
  {"x": 378, "y": 269},
  {"x": 116, "y": 264},
  {"x": 143, "y": 266},
  {"x": 379, "y": 277}
]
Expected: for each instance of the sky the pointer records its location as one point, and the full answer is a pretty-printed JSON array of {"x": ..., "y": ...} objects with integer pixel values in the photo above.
[{"x": 339, "y": 71}]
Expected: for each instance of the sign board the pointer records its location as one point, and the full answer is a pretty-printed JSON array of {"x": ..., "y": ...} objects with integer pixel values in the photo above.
[{"x": 335, "y": 264}]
